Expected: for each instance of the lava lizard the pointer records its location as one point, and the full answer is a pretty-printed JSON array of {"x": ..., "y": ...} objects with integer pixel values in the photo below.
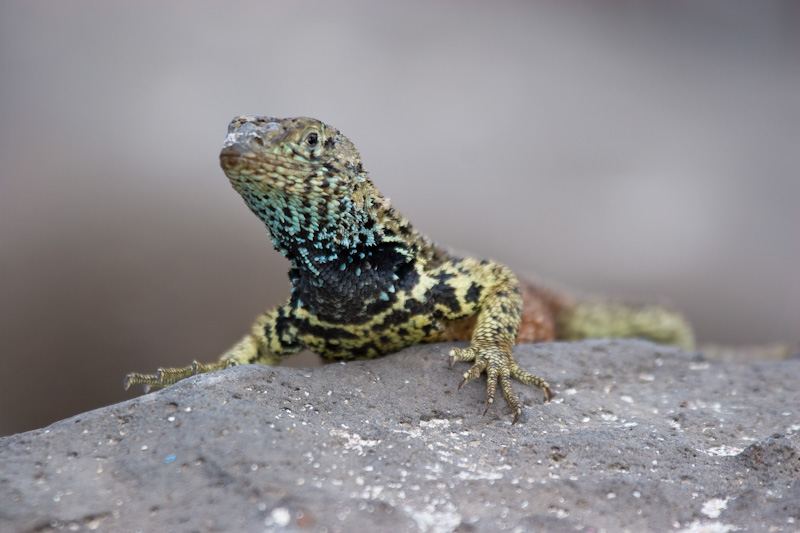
[{"x": 365, "y": 283}]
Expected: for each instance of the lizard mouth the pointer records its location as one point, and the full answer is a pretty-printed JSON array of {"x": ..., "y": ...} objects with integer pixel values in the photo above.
[
  {"x": 226, "y": 159},
  {"x": 234, "y": 160},
  {"x": 241, "y": 166}
]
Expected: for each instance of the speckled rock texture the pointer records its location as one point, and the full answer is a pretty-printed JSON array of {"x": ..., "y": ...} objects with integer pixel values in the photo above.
[{"x": 639, "y": 437}]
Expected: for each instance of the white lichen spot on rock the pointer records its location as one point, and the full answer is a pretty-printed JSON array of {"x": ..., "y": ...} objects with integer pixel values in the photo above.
[
  {"x": 435, "y": 423},
  {"x": 714, "y": 507},
  {"x": 708, "y": 527},
  {"x": 280, "y": 516},
  {"x": 723, "y": 451},
  {"x": 353, "y": 441},
  {"x": 478, "y": 476},
  {"x": 434, "y": 521}
]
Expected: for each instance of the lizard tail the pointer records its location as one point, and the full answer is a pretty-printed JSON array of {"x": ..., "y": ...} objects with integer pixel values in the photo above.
[
  {"x": 585, "y": 320},
  {"x": 575, "y": 318}
]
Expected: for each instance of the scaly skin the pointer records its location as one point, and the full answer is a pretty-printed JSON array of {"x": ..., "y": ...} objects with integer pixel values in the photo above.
[{"x": 365, "y": 283}]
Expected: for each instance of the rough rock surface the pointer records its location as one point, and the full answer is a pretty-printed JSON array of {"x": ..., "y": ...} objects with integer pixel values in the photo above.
[{"x": 639, "y": 437}]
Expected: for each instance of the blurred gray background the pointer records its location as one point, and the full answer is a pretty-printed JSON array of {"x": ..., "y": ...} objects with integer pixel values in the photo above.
[{"x": 639, "y": 149}]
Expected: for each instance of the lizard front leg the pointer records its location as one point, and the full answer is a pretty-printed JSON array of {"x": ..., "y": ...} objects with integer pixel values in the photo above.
[
  {"x": 492, "y": 290},
  {"x": 273, "y": 337}
]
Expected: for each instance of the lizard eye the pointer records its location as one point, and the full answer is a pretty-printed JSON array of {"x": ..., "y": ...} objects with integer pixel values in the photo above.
[{"x": 312, "y": 139}]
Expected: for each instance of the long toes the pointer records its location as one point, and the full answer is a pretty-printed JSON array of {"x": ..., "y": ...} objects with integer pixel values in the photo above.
[
  {"x": 529, "y": 379},
  {"x": 459, "y": 354},
  {"x": 474, "y": 371},
  {"x": 511, "y": 397},
  {"x": 148, "y": 381},
  {"x": 491, "y": 387},
  {"x": 500, "y": 368}
]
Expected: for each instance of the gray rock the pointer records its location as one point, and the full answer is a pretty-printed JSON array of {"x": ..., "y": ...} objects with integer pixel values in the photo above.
[{"x": 639, "y": 437}]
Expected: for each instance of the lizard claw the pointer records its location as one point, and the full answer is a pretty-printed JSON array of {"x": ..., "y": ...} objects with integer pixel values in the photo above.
[
  {"x": 500, "y": 368},
  {"x": 489, "y": 403},
  {"x": 547, "y": 394},
  {"x": 457, "y": 354},
  {"x": 146, "y": 380}
]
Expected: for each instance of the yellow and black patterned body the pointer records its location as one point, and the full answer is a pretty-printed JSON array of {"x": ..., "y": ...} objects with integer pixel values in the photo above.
[{"x": 364, "y": 282}]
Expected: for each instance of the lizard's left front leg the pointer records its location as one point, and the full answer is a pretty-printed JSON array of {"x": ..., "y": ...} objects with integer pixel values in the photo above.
[
  {"x": 273, "y": 337},
  {"x": 499, "y": 307}
]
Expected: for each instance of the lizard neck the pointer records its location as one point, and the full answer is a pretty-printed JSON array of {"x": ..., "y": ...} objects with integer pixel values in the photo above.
[
  {"x": 350, "y": 255},
  {"x": 315, "y": 231}
]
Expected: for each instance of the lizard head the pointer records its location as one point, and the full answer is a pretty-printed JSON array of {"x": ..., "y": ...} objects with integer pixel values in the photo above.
[{"x": 305, "y": 180}]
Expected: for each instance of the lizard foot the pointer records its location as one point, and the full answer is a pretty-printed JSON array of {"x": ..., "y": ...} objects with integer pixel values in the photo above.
[
  {"x": 168, "y": 376},
  {"x": 499, "y": 367}
]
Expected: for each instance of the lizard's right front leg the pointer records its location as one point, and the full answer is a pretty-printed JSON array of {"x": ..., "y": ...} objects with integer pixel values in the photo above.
[{"x": 273, "y": 338}]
